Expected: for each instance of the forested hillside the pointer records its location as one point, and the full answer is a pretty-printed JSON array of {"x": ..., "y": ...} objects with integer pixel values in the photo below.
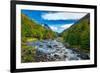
[
  {"x": 30, "y": 28},
  {"x": 78, "y": 35}
]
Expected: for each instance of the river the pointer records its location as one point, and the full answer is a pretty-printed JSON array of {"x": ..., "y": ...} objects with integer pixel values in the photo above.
[{"x": 53, "y": 50}]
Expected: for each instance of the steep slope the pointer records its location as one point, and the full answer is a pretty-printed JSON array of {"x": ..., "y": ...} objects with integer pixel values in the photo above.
[
  {"x": 46, "y": 26},
  {"x": 30, "y": 28},
  {"x": 78, "y": 35}
]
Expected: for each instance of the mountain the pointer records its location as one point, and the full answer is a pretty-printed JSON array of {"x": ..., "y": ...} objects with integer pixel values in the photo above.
[
  {"x": 78, "y": 35},
  {"x": 46, "y": 26},
  {"x": 30, "y": 28}
]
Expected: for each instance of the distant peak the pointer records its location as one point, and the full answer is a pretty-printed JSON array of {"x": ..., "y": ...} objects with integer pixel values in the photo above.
[{"x": 46, "y": 26}]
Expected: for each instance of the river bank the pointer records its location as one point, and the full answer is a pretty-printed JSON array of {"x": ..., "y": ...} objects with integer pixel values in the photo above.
[{"x": 53, "y": 50}]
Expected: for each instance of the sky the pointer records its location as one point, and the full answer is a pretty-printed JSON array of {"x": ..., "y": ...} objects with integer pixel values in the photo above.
[{"x": 58, "y": 21}]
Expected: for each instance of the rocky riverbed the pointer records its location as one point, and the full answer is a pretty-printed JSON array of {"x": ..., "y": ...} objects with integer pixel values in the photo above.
[{"x": 53, "y": 50}]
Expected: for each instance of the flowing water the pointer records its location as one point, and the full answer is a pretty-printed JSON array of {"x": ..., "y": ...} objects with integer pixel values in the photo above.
[{"x": 52, "y": 50}]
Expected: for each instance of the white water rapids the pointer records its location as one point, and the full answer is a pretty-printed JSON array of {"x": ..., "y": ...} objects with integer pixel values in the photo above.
[{"x": 56, "y": 50}]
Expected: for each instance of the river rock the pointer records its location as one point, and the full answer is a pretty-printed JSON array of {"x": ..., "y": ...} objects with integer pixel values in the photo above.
[{"x": 52, "y": 50}]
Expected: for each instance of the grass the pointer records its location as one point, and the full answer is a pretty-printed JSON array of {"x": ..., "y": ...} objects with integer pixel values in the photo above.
[
  {"x": 27, "y": 54},
  {"x": 31, "y": 39}
]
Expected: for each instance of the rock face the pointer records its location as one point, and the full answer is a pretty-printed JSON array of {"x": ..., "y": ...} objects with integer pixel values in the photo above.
[{"x": 52, "y": 50}]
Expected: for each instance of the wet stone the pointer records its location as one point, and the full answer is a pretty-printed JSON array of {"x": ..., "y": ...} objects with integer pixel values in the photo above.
[{"x": 52, "y": 50}]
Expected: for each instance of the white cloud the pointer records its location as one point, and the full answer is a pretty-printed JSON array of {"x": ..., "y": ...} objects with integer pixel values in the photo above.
[
  {"x": 60, "y": 28},
  {"x": 62, "y": 15},
  {"x": 66, "y": 26},
  {"x": 53, "y": 28}
]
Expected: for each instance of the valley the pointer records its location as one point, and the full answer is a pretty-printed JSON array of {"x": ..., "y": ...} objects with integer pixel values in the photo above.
[{"x": 41, "y": 44}]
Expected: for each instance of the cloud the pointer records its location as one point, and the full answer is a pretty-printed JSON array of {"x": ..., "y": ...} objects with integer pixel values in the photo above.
[
  {"x": 62, "y": 16},
  {"x": 60, "y": 28},
  {"x": 66, "y": 26},
  {"x": 54, "y": 28}
]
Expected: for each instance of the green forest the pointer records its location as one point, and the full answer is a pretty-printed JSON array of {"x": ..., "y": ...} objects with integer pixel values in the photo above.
[
  {"x": 78, "y": 35},
  {"x": 30, "y": 28}
]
